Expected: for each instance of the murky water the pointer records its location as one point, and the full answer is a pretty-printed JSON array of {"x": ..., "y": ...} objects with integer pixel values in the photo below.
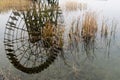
[{"x": 99, "y": 62}]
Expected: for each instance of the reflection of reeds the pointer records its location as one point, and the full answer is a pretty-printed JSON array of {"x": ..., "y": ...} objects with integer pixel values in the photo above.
[
  {"x": 82, "y": 34},
  {"x": 74, "y": 5},
  {"x": 108, "y": 35},
  {"x": 74, "y": 32},
  {"x": 104, "y": 30},
  {"x": 111, "y": 37},
  {"x": 90, "y": 35},
  {"x": 74, "y": 35},
  {"x": 14, "y": 4},
  {"x": 89, "y": 29}
]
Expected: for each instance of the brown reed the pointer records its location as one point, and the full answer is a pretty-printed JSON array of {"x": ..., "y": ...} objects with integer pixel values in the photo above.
[
  {"x": 74, "y": 5},
  {"x": 89, "y": 25},
  {"x": 52, "y": 33},
  {"x": 6, "y": 5}
]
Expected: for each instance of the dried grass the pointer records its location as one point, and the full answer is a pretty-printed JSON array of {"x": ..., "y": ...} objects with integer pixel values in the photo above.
[
  {"x": 89, "y": 25},
  {"x": 53, "y": 34},
  {"x": 74, "y": 5},
  {"x": 14, "y": 4}
]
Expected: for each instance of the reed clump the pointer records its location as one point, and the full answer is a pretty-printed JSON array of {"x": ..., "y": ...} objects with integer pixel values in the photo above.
[
  {"x": 14, "y": 4},
  {"x": 74, "y": 5},
  {"x": 52, "y": 34},
  {"x": 89, "y": 26}
]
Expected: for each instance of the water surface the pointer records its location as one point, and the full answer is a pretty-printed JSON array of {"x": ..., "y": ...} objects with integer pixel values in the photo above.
[{"x": 76, "y": 66}]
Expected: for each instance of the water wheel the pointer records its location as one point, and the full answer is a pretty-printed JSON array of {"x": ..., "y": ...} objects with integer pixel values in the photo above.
[{"x": 25, "y": 46}]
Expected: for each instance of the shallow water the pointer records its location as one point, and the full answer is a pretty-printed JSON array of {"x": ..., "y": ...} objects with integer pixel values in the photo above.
[{"x": 99, "y": 66}]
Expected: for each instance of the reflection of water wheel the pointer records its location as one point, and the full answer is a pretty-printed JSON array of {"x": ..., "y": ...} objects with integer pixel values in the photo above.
[{"x": 25, "y": 48}]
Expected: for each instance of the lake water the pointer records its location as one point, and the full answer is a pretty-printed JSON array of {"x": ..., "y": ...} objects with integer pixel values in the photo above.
[{"x": 102, "y": 63}]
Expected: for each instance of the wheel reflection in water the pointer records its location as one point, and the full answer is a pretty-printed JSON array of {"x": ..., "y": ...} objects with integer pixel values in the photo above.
[{"x": 32, "y": 38}]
